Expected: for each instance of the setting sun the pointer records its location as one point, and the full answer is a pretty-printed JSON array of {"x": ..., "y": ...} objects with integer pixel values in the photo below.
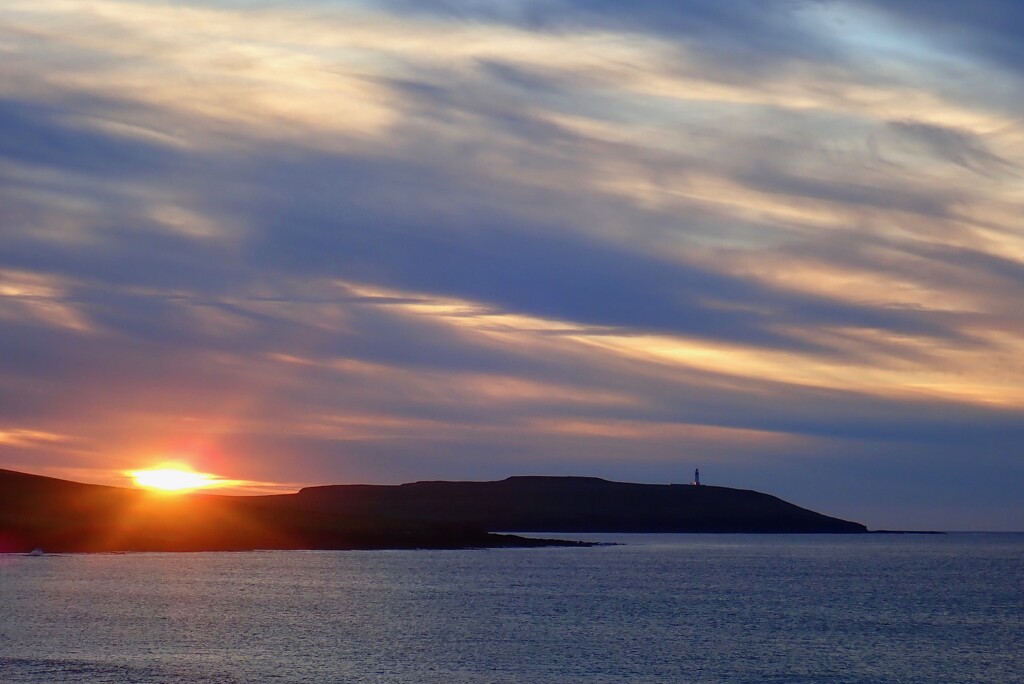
[{"x": 173, "y": 479}]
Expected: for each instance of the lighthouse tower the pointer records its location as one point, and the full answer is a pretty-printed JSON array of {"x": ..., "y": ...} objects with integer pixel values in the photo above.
[{"x": 696, "y": 477}]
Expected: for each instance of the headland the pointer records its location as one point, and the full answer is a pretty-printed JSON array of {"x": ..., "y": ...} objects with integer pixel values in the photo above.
[{"x": 63, "y": 516}]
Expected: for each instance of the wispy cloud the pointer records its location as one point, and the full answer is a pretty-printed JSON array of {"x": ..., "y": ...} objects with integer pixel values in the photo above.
[{"x": 392, "y": 240}]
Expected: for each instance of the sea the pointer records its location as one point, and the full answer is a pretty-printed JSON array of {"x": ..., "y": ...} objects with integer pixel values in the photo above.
[{"x": 854, "y": 609}]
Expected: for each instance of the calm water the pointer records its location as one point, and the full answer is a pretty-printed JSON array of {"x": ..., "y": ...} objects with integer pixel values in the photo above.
[{"x": 666, "y": 608}]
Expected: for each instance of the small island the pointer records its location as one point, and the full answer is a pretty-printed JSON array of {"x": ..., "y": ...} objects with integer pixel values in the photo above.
[{"x": 62, "y": 516}]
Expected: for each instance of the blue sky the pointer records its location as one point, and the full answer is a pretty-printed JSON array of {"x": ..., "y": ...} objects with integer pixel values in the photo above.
[{"x": 311, "y": 242}]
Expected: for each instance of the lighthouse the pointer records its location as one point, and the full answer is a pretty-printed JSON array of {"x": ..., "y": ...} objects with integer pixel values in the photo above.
[{"x": 696, "y": 477}]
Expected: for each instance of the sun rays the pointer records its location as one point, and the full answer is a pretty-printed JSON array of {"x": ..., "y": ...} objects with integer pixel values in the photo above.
[{"x": 175, "y": 479}]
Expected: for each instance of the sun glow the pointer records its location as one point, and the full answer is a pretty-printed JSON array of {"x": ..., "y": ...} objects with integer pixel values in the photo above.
[{"x": 174, "y": 479}]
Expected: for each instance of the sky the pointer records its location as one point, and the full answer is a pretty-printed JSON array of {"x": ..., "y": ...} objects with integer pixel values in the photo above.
[{"x": 378, "y": 242}]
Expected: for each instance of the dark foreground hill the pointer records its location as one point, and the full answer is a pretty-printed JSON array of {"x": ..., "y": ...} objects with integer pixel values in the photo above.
[
  {"x": 61, "y": 516},
  {"x": 57, "y": 515}
]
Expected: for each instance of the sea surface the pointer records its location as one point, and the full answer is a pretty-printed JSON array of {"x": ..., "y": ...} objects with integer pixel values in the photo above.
[{"x": 659, "y": 608}]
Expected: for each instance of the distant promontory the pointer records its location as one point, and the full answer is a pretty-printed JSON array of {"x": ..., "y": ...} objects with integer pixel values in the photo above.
[
  {"x": 62, "y": 516},
  {"x": 573, "y": 504}
]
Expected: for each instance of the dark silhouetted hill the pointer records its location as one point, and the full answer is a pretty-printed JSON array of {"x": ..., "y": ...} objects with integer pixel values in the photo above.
[
  {"x": 57, "y": 515},
  {"x": 573, "y": 504},
  {"x": 61, "y": 516}
]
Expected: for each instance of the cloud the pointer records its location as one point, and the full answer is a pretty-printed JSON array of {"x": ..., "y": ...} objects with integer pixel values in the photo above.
[
  {"x": 987, "y": 29},
  {"x": 769, "y": 28},
  {"x": 955, "y": 146},
  {"x": 389, "y": 241}
]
